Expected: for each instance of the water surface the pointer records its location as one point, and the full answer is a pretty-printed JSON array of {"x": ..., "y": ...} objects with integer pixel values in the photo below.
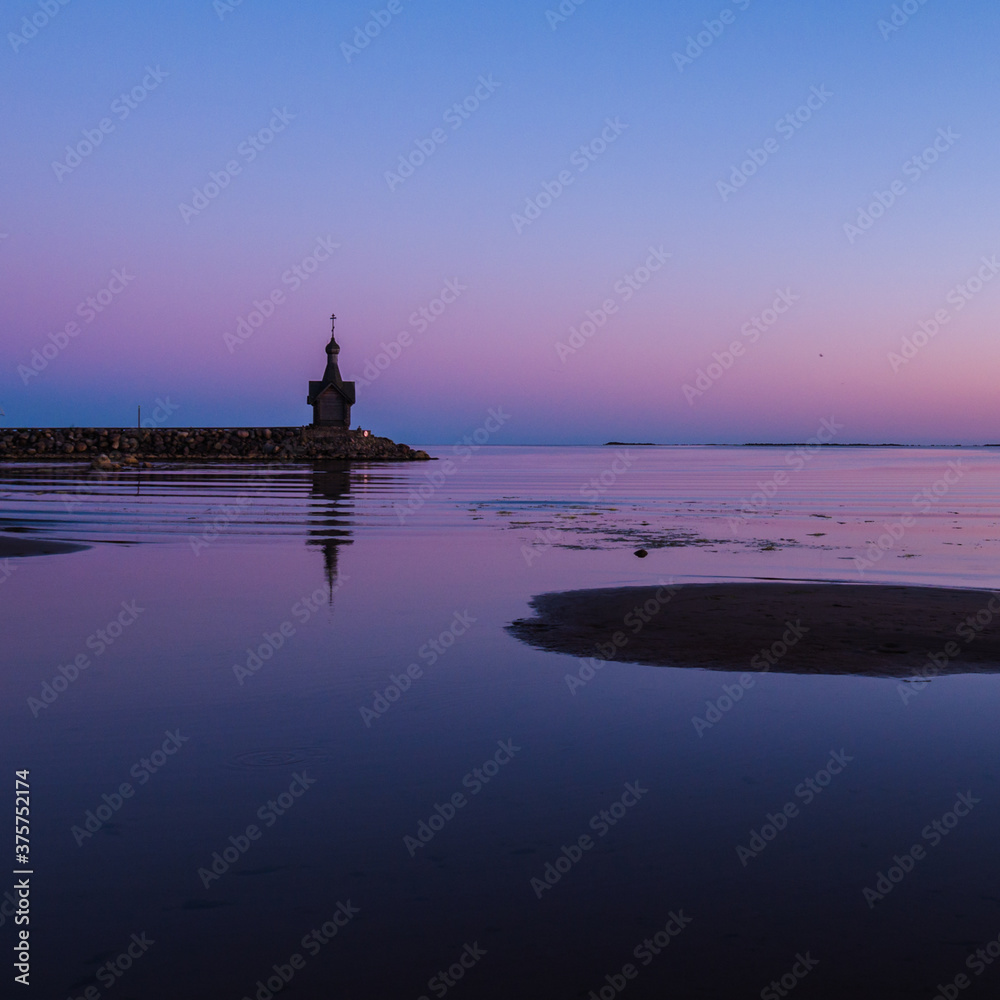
[{"x": 340, "y": 632}]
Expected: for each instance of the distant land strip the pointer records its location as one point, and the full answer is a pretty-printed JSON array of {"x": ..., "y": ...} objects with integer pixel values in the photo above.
[{"x": 789, "y": 444}]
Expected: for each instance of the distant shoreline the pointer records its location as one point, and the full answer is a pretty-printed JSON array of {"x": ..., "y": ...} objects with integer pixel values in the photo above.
[{"x": 777, "y": 444}]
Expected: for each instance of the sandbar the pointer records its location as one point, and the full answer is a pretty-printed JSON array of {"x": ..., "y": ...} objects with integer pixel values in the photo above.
[
  {"x": 804, "y": 628},
  {"x": 15, "y": 547}
]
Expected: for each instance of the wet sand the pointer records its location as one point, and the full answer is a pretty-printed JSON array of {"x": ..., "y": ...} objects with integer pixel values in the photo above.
[
  {"x": 16, "y": 546},
  {"x": 811, "y": 628}
]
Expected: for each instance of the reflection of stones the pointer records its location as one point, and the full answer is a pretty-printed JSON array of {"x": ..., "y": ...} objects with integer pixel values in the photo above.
[{"x": 882, "y": 631}]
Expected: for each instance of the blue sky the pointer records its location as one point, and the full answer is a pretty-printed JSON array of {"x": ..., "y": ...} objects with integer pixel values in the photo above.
[{"x": 206, "y": 79}]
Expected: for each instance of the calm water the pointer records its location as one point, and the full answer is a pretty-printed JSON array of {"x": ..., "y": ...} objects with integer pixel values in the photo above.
[{"x": 259, "y": 624}]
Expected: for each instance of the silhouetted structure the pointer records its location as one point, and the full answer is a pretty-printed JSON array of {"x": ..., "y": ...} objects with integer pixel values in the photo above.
[{"x": 331, "y": 398}]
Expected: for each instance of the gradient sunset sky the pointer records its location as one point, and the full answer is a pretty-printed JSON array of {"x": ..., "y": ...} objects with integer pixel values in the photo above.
[{"x": 645, "y": 123}]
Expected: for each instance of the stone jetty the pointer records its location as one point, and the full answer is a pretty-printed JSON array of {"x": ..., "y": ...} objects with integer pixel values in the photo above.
[{"x": 221, "y": 444}]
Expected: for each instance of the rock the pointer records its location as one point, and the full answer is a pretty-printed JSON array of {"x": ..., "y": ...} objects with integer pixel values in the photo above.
[
  {"x": 641, "y": 553},
  {"x": 287, "y": 444}
]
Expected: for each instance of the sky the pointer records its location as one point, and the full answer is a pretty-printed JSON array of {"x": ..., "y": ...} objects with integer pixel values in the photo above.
[{"x": 681, "y": 223}]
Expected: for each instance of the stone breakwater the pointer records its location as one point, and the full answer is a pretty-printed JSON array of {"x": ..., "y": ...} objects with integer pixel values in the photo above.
[{"x": 289, "y": 444}]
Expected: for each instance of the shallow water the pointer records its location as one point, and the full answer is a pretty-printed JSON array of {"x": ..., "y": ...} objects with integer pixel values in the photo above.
[{"x": 357, "y": 573}]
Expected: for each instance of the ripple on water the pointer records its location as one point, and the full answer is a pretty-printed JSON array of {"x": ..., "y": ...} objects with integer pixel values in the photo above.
[{"x": 277, "y": 758}]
